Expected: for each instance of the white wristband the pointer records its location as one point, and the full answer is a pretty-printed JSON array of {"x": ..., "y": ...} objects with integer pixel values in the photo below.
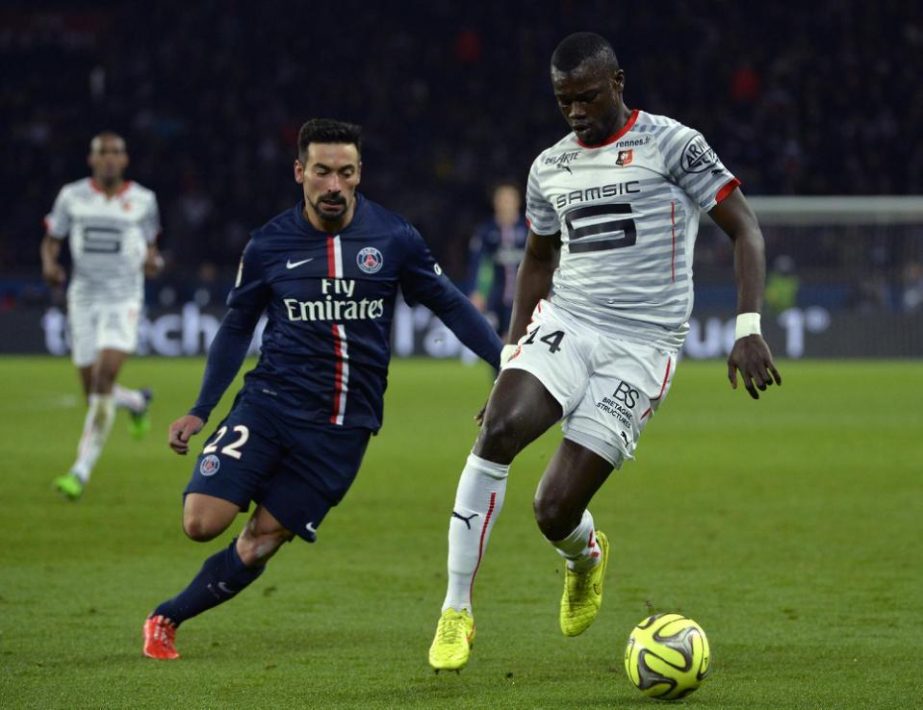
[
  {"x": 747, "y": 324},
  {"x": 507, "y": 353}
]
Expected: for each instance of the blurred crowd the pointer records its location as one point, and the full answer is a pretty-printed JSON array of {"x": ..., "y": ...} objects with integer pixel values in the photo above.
[{"x": 797, "y": 98}]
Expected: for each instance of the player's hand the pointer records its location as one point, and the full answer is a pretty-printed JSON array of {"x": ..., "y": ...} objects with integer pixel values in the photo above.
[
  {"x": 751, "y": 356},
  {"x": 54, "y": 274},
  {"x": 182, "y": 430},
  {"x": 153, "y": 265}
]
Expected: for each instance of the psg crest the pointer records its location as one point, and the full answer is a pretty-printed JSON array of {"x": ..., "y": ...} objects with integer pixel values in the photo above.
[
  {"x": 369, "y": 260},
  {"x": 210, "y": 465}
]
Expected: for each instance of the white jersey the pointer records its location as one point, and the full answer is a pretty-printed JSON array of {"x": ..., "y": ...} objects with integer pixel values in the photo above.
[
  {"x": 109, "y": 237},
  {"x": 628, "y": 214}
]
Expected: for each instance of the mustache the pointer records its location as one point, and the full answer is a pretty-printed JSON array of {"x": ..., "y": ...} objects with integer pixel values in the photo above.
[{"x": 333, "y": 199}]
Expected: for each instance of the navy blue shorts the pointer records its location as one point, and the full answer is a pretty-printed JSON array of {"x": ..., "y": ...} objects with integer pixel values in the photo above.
[{"x": 297, "y": 471}]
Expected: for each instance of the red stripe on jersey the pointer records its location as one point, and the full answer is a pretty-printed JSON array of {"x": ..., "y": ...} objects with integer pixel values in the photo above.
[
  {"x": 331, "y": 257},
  {"x": 673, "y": 248},
  {"x": 337, "y": 416},
  {"x": 490, "y": 512},
  {"x": 725, "y": 191},
  {"x": 615, "y": 136}
]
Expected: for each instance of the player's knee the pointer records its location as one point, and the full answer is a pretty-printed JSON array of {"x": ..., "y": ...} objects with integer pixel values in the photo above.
[
  {"x": 103, "y": 380},
  {"x": 200, "y": 527},
  {"x": 255, "y": 548},
  {"x": 499, "y": 439},
  {"x": 554, "y": 518}
]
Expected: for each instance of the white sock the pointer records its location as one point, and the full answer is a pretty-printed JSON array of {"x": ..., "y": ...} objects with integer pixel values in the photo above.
[
  {"x": 580, "y": 548},
  {"x": 132, "y": 400},
  {"x": 478, "y": 501},
  {"x": 96, "y": 427}
]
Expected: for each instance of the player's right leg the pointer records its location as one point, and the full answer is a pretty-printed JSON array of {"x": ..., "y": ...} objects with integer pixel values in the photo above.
[
  {"x": 83, "y": 323},
  {"x": 520, "y": 409}
]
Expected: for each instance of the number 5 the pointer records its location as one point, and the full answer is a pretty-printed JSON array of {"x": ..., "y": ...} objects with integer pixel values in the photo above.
[{"x": 612, "y": 227}]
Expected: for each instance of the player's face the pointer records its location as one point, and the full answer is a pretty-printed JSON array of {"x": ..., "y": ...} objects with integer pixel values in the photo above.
[
  {"x": 330, "y": 176},
  {"x": 589, "y": 98},
  {"x": 108, "y": 158},
  {"x": 506, "y": 199}
]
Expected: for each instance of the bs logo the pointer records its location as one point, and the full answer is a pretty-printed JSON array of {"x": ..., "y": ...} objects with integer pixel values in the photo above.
[{"x": 626, "y": 395}]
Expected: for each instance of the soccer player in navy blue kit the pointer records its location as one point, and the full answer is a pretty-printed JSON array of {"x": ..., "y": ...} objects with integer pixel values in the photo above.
[
  {"x": 495, "y": 253},
  {"x": 326, "y": 274}
]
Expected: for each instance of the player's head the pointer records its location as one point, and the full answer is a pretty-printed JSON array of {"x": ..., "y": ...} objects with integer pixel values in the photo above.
[
  {"x": 328, "y": 168},
  {"x": 588, "y": 85},
  {"x": 108, "y": 157},
  {"x": 507, "y": 200}
]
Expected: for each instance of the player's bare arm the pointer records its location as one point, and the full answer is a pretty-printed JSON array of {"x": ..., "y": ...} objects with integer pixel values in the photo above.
[
  {"x": 750, "y": 355},
  {"x": 52, "y": 271},
  {"x": 533, "y": 282}
]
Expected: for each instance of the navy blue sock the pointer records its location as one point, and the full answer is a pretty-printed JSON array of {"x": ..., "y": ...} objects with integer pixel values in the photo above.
[{"x": 222, "y": 576}]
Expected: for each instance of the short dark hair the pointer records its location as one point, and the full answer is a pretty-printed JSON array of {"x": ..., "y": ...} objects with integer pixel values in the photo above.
[
  {"x": 328, "y": 130},
  {"x": 580, "y": 47}
]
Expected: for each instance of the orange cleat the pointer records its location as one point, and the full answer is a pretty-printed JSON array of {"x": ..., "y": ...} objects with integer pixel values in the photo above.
[{"x": 159, "y": 635}]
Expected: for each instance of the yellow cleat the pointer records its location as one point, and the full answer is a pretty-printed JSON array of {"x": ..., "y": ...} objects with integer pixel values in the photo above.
[
  {"x": 452, "y": 644},
  {"x": 583, "y": 592}
]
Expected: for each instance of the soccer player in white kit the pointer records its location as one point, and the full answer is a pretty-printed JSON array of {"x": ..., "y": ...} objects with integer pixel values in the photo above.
[
  {"x": 595, "y": 332},
  {"x": 112, "y": 224}
]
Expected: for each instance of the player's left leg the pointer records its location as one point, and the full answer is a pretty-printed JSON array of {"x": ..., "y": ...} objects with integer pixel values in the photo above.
[
  {"x": 628, "y": 382},
  {"x": 223, "y": 576},
  {"x": 564, "y": 492}
]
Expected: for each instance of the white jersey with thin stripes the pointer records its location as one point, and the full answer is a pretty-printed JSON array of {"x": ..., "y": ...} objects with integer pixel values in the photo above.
[
  {"x": 108, "y": 236},
  {"x": 628, "y": 214}
]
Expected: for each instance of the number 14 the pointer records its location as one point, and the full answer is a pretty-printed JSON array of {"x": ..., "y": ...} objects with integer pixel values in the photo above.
[{"x": 552, "y": 340}]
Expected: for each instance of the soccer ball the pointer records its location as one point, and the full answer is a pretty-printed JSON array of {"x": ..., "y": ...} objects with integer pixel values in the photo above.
[{"x": 667, "y": 656}]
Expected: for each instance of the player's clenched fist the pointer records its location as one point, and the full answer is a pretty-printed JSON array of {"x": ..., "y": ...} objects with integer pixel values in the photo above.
[{"x": 182, "y": 430}]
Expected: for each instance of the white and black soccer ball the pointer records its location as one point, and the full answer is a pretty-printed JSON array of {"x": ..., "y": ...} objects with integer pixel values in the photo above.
[{"x": 667, "y": 656}]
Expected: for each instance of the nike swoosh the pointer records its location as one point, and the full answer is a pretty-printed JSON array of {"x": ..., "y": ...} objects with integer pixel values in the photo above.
[{"x": 295, "y": 264}]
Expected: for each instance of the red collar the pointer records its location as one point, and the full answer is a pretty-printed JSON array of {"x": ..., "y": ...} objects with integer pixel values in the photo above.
[
  {"x": 96, "y": 187},
  {"x": 615, "y": 136}
]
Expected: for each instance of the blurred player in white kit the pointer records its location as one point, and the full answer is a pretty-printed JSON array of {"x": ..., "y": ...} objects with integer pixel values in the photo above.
[{"x": 112, "y": 224}]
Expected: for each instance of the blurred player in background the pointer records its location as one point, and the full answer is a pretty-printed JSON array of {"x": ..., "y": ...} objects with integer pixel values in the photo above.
[
  {"x": 495, "y": 252},
  {"x": 112, "y": 224},
  {"x": 326, "y": 273},
  {"x": 620, "y": 198}
]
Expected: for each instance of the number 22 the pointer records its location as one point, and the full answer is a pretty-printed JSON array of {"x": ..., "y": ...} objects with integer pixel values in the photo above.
[{"x": 232, "y": 448}]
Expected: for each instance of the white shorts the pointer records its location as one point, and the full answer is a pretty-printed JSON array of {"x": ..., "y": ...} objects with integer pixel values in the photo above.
[
  {"x": 608, "y": 388},
  {"x": 102, "y": 326}
]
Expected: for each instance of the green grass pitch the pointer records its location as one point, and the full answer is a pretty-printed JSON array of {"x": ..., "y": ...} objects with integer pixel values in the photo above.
[{"x": 790, "y": 528}]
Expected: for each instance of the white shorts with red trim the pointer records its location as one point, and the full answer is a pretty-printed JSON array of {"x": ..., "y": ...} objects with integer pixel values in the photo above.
[
  {"x": 608, "y": 388},
  {"x": 102, "y": 326}
]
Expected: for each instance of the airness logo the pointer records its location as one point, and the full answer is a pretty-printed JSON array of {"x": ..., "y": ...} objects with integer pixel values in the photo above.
[
  {"x": 562, "y": 161},
  {"x": 697, "y": 155}
]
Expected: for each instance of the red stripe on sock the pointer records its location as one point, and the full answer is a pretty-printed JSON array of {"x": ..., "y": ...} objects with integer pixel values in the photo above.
[{"x": 490, "y": 512}]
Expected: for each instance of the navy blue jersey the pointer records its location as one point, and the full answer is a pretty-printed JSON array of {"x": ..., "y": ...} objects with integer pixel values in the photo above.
[
  {"x": 329, "y": 301},
  {"x": 495, "y": 253}
]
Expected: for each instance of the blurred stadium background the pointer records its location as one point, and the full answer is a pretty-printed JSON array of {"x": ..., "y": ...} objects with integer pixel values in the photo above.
[{"x": 800, "y": 100}]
